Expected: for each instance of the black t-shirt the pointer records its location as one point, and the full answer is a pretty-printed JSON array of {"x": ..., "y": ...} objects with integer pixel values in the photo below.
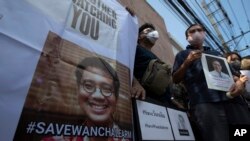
[{"x": 142, "y": 59}]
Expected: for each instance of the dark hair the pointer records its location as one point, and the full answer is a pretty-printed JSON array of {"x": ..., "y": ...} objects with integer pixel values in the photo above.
[
  {"x": 186, "y": 32},
  {"x": 231, "y": 53},
  {"x": 146, "y": 25},
  {"x": 100, "y": 64}
]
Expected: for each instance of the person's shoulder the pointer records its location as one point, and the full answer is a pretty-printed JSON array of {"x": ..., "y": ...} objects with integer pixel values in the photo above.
[
  {"x": 211, "y": 51},
  {"x": 182, "y": 53},
  {"x": 140, "y": 48},
  {"x": 147, "y": 52},
  {"x": 187, "y": 50}
]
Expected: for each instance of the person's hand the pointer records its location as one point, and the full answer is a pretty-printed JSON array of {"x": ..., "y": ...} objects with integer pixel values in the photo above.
[
  {"x": 137, "y": 91},
  {"x": 177, "y": 104},
  {"x": 243, "y": 78},
  {"x": 237, "y": 89},
  {"x": 193, "y": 55}
]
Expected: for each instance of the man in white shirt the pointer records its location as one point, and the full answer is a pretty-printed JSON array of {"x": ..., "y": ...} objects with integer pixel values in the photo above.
[{"x": 217, "y": 70}]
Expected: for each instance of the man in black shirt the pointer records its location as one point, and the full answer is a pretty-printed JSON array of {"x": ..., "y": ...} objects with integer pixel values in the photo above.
[{"x": 146, "y": 40}]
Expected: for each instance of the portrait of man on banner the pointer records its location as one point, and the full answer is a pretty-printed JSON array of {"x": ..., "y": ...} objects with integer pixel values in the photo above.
[
  {"x": 217, "y": 72},
  {"x": 48, "y": 100},
  {"x": 76, "y": 95}
]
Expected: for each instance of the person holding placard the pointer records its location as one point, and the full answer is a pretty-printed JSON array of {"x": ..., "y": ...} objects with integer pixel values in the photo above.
[
  {"x": 212, "y": 109},
  {"x": 235, "y": 61}
]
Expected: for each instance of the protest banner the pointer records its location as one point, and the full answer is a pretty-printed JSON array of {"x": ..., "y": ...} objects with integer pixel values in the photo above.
[{"x": 44, "y": 75}]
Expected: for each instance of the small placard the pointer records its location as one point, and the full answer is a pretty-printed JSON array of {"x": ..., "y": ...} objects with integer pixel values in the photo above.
[
  {"x": 217, "y": 72},
  {"x": 154, "y": 122},
  {"x": 181, "y": 126}
]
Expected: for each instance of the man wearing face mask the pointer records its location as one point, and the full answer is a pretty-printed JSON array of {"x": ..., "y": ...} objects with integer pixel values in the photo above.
[
  {"x": 146, "y": 40},
  {"x": 212, "y": 110}
]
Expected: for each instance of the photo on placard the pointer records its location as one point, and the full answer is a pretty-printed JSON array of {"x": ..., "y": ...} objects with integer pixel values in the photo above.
[
  {"x": 180, "y": 124},
  {"x": 76, "y": 95},
  {"x": 217, "y": 72},
  {"x": 152, "y": 121}
]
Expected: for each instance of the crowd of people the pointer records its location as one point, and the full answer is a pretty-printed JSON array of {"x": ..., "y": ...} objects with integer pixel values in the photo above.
[{"x": 211, "y": 112}]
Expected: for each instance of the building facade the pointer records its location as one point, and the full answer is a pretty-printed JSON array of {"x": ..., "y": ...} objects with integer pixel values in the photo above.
[{"x": 145, "y": 13}]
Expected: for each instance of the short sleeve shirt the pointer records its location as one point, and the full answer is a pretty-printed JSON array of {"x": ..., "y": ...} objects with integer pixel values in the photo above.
[
  {"x": 194, "y": 78},
  {"x": 142, "y": 59}
]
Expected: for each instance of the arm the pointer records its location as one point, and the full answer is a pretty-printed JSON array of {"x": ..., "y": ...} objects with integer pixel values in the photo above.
[
  {"x": 179, "y": 74},
  {"x": 178, "y": 104},
  {"x": 137, "y": 90},
  {"x": 243, "y": 78},
  {"x": 237, "y": 89}
]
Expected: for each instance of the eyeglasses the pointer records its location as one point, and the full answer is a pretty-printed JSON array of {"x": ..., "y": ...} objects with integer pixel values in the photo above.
[
  {"x": 194, "y": 30},
  {"x": 90, "y": 87}
]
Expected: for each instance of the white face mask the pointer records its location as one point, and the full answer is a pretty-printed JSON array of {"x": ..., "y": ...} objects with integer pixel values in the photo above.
[
  {"x": 196, "y": 38},
  {"x": 153, "y": 36}
]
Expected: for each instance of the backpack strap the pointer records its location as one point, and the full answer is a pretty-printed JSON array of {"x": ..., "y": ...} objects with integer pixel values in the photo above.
[
  {"x": 149, "y": 68},
  {"x": 151, "y": 63}
]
